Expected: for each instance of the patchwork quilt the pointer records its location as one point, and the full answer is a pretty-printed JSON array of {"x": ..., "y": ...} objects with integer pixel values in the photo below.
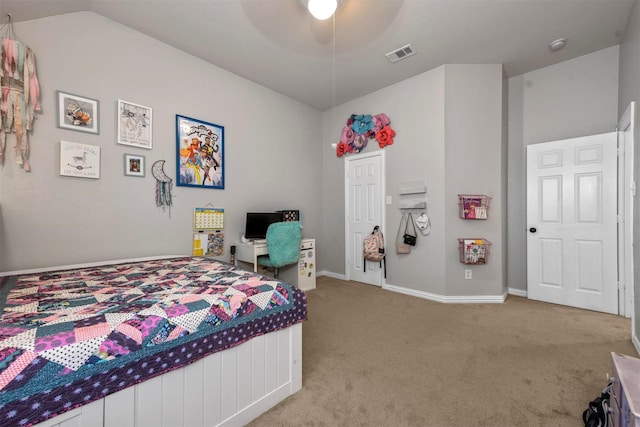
[{"x": 68, "y": 338}]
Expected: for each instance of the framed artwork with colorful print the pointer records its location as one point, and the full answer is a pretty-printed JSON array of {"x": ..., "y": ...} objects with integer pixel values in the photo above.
[{"x": 199, "y": 153}]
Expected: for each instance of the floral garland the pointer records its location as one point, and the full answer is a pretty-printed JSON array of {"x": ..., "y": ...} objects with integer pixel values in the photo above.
[{"x": 362, "y": 127}]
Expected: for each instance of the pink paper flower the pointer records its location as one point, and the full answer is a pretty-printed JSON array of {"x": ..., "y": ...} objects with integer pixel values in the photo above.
[
  {"x": 359, "y": 142},
  {"x": 380, "y": 121},
  {"x": 347, "y": 135}
]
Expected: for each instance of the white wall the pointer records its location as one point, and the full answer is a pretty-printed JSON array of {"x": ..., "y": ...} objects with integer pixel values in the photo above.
[
  {"x": 48, "y": 220},
  {"x": 448, "y": 122},
  {"x": 473, "y": 165},
  {"x": 570, "y": 99},
  {"x": 415, "y": 107},
  {"x": 271, "y": 147}
]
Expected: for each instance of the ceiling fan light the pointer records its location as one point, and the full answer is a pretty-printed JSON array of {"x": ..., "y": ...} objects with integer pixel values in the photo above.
[{"x": 322, "y": 9}]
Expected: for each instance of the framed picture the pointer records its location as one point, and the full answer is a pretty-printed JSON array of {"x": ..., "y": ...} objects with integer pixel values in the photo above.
[
  {"x": 199, "y": 153},
  {"x": 78, "y": 113},
  {"x": 79, "y": 160},
  {"x": 134, "y": 124},
  {"x": 133, "y": 165}
]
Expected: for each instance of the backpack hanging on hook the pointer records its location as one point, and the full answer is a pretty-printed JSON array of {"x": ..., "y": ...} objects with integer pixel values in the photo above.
[{"x": 373, "y": 249}]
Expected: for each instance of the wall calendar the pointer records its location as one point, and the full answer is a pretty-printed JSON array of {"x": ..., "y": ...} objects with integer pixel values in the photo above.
[{"x": 208, "y": 218}]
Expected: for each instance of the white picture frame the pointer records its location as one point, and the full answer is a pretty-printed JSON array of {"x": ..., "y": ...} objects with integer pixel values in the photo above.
[
  {"x": 79, "y": 160},
  {"x": 135, "y": 125},
  {"x": 78, "y": 113},
  {"x": 134, "y": 165}
]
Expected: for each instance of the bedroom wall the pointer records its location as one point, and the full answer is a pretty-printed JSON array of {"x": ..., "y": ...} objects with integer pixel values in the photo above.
[
  {"x": 573, "y": 98},
  {"x": 474, "y": 165},
  {"x": 416, "y": 109},
  {"x": 629, "y": 90},
  {"x": 47, "y": 220},
  {"x": 271, "y": 150},
  {"x": 437, "y": 115}
]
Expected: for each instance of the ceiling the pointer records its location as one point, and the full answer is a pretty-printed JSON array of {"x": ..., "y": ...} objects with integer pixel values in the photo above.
[{"x": 277, "y": 44}]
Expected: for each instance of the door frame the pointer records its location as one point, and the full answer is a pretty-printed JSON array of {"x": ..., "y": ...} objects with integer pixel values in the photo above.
[
  {"x": 347, "y": 195},
  {"x": 626, "y": 195}
]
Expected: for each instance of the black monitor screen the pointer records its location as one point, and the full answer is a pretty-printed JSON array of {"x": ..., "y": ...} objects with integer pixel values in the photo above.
[{"x": 258, "y": 222}]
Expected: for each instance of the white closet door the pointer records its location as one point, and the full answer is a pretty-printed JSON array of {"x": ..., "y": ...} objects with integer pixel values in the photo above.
[{"x": 571, "y": 216}]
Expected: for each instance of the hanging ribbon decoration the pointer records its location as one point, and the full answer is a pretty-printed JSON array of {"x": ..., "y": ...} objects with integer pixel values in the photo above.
[{"x": 20, "y": 93}]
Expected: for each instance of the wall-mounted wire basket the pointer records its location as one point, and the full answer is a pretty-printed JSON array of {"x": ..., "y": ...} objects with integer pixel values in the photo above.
[
  {"x": 474, "y": 251},
  {"x": 473, "y": 206}
]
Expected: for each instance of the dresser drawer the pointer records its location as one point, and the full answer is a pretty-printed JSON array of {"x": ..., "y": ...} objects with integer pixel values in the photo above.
[{"x": 625, "y": 391}]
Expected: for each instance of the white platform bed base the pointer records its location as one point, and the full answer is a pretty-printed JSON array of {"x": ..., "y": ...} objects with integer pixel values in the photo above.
[{"x": 228, "y": 388}]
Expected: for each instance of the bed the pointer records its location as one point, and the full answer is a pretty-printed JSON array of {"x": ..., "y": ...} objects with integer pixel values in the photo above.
[{"x": 181, "y": 341}]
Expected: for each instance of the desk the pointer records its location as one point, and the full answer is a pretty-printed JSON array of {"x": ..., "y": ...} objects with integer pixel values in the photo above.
[{"x": 306, "y": 277}]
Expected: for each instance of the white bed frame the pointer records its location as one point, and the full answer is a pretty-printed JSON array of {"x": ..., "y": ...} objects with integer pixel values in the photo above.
[{"x": 228, "y": 388}]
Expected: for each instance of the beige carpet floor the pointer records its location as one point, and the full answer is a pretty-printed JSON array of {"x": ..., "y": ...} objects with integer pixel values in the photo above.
[{"x": 378, "y": 358}]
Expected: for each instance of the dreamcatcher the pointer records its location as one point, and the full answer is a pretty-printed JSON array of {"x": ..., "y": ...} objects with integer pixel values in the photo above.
[{"x": 163, "y": 186}]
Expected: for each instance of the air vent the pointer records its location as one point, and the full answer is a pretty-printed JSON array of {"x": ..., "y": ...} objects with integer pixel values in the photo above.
[{"x": 402, "y": 53}]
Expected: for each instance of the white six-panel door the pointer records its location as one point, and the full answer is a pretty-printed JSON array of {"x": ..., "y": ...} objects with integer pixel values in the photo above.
[
  {"x": 572, "y": 222},
  {"x": 364, "y": 210}
]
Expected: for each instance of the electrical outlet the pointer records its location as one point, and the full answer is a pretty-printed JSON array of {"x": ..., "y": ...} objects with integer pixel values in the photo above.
[{"x": 467, "y": 274}]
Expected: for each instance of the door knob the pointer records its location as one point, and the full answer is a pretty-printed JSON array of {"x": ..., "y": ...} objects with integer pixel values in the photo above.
[{"x": 533, "y": 229}]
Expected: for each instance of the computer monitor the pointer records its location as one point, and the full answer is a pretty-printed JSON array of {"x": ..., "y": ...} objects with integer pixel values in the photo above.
[{"x": 258, "y": 222}]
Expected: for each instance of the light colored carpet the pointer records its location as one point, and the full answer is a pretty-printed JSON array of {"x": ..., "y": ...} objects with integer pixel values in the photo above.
[{"x": 378, "y": 358}]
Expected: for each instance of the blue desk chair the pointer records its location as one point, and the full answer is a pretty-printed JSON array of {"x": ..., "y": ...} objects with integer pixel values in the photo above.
[{"x": 283, "y": 244}]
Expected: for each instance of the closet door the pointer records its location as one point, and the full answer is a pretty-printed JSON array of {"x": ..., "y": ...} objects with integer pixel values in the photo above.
[
  {"x": 364, "y": 210},
  {"x": 572, "y": 222}
]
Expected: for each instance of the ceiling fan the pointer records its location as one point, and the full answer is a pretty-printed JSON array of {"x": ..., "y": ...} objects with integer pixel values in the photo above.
[{"x": 321, "y": 9}]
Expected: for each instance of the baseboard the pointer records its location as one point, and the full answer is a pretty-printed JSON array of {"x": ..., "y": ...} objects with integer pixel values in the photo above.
[
  {"x": 331, "y": 274},
  {"x": 517, "y": 292},
  {"x": 458, "y": 299},
  {"x": 497, "y": 299},
  {"x": 393, "y": 288}
]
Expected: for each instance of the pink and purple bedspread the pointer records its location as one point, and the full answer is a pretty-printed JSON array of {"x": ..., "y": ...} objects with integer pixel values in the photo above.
[{"x": 68, "y": 338}]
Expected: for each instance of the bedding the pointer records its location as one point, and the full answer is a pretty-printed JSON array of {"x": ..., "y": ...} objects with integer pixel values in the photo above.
[{"x": 70, "y": 337}]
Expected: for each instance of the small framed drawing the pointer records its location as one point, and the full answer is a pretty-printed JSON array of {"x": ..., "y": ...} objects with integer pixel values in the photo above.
[
  {"x": 79, "y": 160},
  {"x": 134, "y": 124},
  {"x": 199, "y": 153},
  {"x": 133, "y": 165},
  {"x": 78, "y": 113}
]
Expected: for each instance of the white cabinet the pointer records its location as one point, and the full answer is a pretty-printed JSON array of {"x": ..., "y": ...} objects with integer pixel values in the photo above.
[
  {"x": 307, "y": 265},
  {"x": 303, "y": 277},
  {"x": 624, "y": 402}
]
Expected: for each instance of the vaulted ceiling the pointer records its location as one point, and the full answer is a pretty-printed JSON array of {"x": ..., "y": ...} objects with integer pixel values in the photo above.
[{"x": 276, "y": 43}]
